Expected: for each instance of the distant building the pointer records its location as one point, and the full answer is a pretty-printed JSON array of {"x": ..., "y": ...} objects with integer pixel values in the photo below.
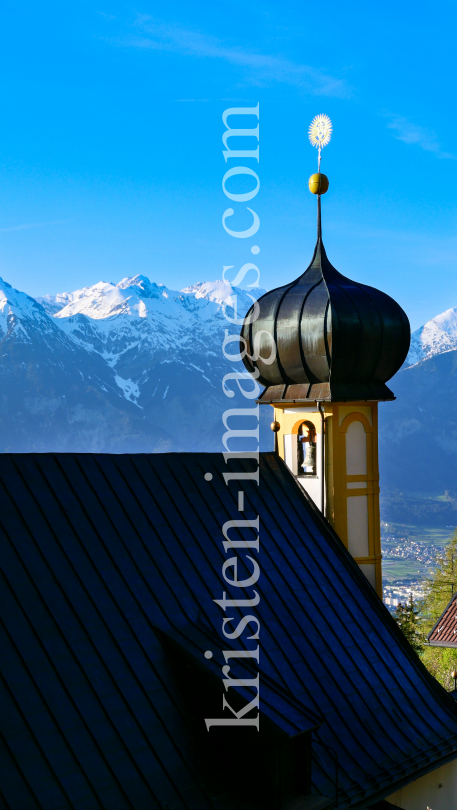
[{"x": 444, "y": 631}]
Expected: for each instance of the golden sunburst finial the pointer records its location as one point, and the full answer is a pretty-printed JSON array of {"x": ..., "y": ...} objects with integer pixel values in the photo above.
[{"x": 320, "y": 131}]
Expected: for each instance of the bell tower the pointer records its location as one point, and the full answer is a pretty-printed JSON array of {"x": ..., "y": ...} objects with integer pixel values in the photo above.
[{"x": 324, "y": 347}]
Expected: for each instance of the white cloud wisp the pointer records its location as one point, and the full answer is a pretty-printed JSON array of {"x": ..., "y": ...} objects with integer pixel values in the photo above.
[
  {"x": 409, "y": 133},
  {"x": 262, "y": 68}
]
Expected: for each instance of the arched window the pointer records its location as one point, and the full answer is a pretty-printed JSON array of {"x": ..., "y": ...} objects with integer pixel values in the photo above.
[
  {"x": 356, "y": 449},
  {"x": 306, "y": 449}
]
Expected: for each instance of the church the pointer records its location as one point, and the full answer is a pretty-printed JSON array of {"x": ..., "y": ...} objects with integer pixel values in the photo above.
[{"x": 205, "y": 631}]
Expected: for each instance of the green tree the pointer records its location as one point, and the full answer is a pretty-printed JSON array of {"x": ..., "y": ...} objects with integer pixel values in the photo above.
[
  {"x": 408, "y": 618},
  {"x": 439, "y": 589}
]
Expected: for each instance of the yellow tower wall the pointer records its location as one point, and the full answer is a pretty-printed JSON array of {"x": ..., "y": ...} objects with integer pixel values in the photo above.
[{"x": 351, "y": 501}]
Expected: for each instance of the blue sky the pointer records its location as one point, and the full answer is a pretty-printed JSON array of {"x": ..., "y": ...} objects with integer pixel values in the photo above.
[{"x": 111, "y": 153}]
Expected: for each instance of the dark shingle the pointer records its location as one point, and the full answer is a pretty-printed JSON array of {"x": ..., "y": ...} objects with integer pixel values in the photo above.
[{"x": 444, "y": 632}]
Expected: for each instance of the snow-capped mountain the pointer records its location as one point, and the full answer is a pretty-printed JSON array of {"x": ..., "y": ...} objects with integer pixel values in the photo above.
[
  {"x": 54, "y": 303},
  {"x": 437, "y": 336},
  {"x": 418, "y": 432},
  {"x": 128, "y": 366},
  {"x": 136, "y": 322},
  {"x": 22, "y": 315}
]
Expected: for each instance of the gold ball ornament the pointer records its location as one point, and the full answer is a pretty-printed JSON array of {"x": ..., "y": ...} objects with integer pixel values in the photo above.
[
  {"x": 318, "y": 183},
  {"x": 275, "y": 426}
]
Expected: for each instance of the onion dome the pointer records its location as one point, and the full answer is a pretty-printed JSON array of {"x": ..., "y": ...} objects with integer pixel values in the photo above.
[{"x": 325, "y": 337}]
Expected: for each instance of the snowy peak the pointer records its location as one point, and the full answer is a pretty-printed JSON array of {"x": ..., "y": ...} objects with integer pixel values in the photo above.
[
  {"x": 222, "y": 292},
  {"x": 437, "y": 336},
  {"x": 54, "y": 303},
  {"x": 100, "y": 301},
  {"x": 220, "y": 295},
  {"x": 134, "y": 296},
  {"x": 17, "y": 310},
  {"x": 218, "y": 291},
  {"x": 142, "y": 287},
  {"x": 12, "y": 300}
]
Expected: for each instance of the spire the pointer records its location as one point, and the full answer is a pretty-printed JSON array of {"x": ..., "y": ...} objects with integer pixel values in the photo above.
[
  {"x": 326, "y": 330},
  {"x": 320, "y": 132}
]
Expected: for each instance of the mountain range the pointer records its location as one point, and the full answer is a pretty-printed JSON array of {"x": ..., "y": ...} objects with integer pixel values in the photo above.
[
  {"x": 132, "y": 366},
  {"x": 135, "y": 366},
  {"x": 418, "y": 432}
]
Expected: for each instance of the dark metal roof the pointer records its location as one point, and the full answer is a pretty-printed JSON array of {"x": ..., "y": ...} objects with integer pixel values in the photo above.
[
  {"x": 326, "y": 393},
  {"x": 104, "y": 557},
  {"x": 444, "y": 631},
  {"x": 325, "y": 328}
]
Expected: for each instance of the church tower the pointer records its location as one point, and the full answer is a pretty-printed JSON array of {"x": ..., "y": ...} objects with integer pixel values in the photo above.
[{"x": 324, "y": 347}]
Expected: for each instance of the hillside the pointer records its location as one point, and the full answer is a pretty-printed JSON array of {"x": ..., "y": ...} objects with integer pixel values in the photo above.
[{"x": 418, "y": 432}]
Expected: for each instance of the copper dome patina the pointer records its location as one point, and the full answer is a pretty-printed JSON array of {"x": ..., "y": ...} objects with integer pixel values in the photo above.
[{"x": 330, "y": 338}]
